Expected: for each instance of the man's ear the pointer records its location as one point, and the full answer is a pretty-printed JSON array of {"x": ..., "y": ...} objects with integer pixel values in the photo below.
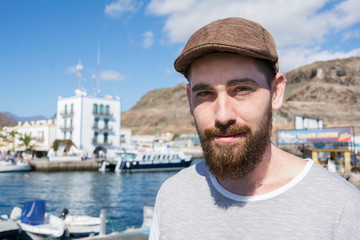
[
  {"x": 278, "y": 90},
  {"x": 188, "y": 92}
]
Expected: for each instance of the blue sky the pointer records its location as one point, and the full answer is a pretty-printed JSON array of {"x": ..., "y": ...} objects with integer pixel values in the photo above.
[{"x": 42, "y": 41}]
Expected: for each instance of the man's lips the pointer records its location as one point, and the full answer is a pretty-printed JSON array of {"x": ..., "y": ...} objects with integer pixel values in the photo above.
[{"x": 228, "y": 138}]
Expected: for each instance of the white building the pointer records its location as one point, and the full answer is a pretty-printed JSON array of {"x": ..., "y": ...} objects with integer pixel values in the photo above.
[
  {"x": 92, "y": 123},
  {"x": 43, "y": 133}
]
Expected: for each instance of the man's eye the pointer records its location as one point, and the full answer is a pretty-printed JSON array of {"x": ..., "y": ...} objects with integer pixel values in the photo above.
[
  {"x": 203, "y": 94},
  {"x": 243, "y": 89}
]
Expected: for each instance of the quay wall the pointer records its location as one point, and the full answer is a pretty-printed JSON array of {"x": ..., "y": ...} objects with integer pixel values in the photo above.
[{"x": 48, "y": 166}]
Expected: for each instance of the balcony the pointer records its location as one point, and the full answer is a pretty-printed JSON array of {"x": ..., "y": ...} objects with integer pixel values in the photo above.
[
  {"x": 67, "y": 114},
  {"x": 97, "y": 142},
  {"x": 66, "y": 128},
  {"x": 106, "y": 128},
  {"x": 103, "y": 114}
]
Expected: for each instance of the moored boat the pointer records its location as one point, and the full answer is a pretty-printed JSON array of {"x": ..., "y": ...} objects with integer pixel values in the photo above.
[
  {"x": 8, "y": 229},
  {"x": 135, "y": 161},
  {"x": 36, "y": 222},
  {"x": 81, "y": 225},
  {"x": 10, "y": 165}
]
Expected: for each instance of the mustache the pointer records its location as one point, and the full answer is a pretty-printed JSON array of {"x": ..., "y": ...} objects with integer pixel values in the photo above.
[{"x": 233, "y": 129}]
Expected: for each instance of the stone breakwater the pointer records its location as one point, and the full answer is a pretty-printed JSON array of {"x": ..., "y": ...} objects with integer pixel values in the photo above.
[{"x": 49, "y": 166}]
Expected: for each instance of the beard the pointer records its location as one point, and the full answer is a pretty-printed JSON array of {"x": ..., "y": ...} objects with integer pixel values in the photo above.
[{"x": 235, "y": 160}]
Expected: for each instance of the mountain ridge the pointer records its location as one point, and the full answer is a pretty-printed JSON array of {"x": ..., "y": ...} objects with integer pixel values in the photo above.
[{"x": 327, "y": 90}]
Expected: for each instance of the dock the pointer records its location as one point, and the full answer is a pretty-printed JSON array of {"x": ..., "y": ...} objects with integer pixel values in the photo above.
[{"x": 49, "y": 166}]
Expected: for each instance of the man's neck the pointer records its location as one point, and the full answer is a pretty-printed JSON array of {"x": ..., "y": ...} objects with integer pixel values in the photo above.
[{"x": 276, "y": 169}]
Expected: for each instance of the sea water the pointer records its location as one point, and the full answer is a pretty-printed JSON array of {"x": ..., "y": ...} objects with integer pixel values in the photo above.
[{"x": 122, "y": 195}]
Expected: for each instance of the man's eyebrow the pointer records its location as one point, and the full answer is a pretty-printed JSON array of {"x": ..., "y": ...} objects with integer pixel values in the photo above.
[
  {"x": 236, "y": 82},
  {"x": 201, "y": 87}
]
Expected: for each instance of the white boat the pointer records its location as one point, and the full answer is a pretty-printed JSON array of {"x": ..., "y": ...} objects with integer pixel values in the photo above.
[
  {"x": 8, "y": 229},
  {"x": 36, "y": 222},
  {"x": 10, "y": 165},
  {"x": 79, "y": 225},
  {"x": 53, "y": 226},
  {"x": 136, "y": 161}
]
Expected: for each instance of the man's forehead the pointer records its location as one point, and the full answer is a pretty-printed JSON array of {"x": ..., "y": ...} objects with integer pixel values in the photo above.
[{"x": 225, "y": 67}]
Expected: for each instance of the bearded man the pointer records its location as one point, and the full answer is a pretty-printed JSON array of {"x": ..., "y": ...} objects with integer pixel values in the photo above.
[{"x": 246, "y": 188}]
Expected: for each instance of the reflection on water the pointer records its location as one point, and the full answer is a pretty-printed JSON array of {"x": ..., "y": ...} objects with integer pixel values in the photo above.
[{"x": 121, "y": 195}]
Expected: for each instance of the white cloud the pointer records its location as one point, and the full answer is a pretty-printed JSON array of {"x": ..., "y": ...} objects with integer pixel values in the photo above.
[
  {"x": 164, "y": 7},
  {"x": 71, "y": 70},
  {"x": 148, "y": 39},
  {"x": 116, "y": 9},
  {"x": 350, "y": 34},
  {"x": 300, "y": 27},
  {"x": 296, "y": 57},
  {"x": 111, "y": 75}
]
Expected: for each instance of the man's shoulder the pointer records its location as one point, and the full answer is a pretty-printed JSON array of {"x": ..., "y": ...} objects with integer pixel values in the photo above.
[
  {"x": 332, "y": 183},
  {"x": 193, "y": 175}
]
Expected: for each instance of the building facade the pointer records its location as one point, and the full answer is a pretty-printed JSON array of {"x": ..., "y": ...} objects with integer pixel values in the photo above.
[
  {"x": 92, "y": 123},
  {"x": 42, "y": 132}
]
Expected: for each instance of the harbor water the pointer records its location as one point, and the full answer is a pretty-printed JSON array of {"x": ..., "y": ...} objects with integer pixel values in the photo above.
[{"x": 122, "y": 195}]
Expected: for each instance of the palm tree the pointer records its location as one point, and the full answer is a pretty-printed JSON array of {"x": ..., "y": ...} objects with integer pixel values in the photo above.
[
  {"x": 13, "y": 133},
  {"x": 3, "y": 137},
  {"x": 26, "y": 140}
]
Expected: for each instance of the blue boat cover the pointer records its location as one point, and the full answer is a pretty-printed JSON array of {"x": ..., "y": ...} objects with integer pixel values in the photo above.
[{"x": 33, "y": 212}]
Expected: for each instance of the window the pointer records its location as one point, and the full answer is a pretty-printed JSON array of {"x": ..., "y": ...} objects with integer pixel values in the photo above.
[
  {"x": 71, "y": 123},
  {"x": 65, "y": 123},
  {"x": 106, "y": 123},
  {"x": 95, "y": 108},
  {"x": 65, "y": 109},
  {"x": 101, "y": 109},
  {"x": 64, "y": 135},
  {"x": 95, "y": 136},
  {"x": 72, "y": 108},
  {"x": 107, "y": 110},
  {"x": 40, "y": 135},
  {"x": 70, "y": 134},
  {"x": 96, "y": 123},
  {"x": 106, "y": 137}
]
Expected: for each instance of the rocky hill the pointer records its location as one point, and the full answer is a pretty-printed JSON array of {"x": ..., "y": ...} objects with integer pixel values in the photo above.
[
  {"x": 160, "y": 111},
  {"x": 6, "y": 120},
  {"x": 328, "y": 90}
]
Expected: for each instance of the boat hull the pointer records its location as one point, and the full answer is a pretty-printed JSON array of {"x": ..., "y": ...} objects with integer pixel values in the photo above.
[
  {"x": 82, "y": 225},
  {"x": 15, "y": 168},
  {"x": 53, "y": 227},
  {"x": 8, "y": 229},
  {"x": 136, "y": 166}
]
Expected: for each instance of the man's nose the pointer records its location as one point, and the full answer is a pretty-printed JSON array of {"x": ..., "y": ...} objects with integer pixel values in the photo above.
[{"x": 225, "y": 114}]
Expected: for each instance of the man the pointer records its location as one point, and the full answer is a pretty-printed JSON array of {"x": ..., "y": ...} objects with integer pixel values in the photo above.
[{"x": 246, "y": 188}]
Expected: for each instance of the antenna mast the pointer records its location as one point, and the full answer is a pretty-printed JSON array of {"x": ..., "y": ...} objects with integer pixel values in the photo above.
[
  {"x": 97, "y": 90},
  {"x": 79, "y": 67}
]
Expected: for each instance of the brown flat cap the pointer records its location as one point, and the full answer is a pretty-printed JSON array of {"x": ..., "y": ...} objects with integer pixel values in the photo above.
[{"x": 233, "y": 35}]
